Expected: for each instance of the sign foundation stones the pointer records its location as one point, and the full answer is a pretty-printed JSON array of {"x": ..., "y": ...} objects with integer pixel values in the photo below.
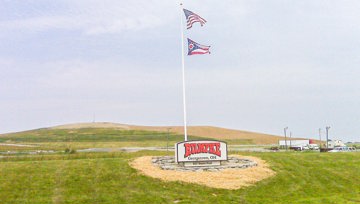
[{"x": 168, "y": 163}]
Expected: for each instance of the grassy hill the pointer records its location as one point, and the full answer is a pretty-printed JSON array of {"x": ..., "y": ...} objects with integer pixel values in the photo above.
[
  {"x": 86, "y": 137},
  {"x": 91, "y": 135},
  {"x": 198, "y": 131}
]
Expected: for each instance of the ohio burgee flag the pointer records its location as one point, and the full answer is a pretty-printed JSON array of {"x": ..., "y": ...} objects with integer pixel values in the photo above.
[{"x": 197, "y": 49}]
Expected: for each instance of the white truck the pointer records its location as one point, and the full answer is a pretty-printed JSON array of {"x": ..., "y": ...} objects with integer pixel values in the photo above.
[{"x": 305, "y": 147}]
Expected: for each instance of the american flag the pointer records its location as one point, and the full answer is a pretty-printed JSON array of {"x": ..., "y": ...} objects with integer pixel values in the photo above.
[
  {"x": 197, "y": 49},
  {"x": 192, "y": 18}
]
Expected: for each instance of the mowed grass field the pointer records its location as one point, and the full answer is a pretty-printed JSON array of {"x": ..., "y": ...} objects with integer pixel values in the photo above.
[{"x": 108, "y": 178}]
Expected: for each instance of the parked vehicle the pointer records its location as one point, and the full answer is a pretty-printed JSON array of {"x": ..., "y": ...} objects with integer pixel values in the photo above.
[
  {"x": 305, "y": 147},
  {"x": 296, "y": 148},
  {"x": 300, "y": 148},
  {"x": 342, "y": 149},
  {"x": 274, "y": 148},
  {"x": 313, "y": 146}
]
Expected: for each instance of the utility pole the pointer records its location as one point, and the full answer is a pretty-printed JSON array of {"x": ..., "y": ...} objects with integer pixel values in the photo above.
[
  {"x": 320, "y": 137},
  {"x": 327, "y": 137},
  {"x": 285, "y": 129},
  {"x": 290, "y": 140}
]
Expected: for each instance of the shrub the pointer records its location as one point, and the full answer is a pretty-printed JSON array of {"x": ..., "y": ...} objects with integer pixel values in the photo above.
[{"x": 70, "y": 151}]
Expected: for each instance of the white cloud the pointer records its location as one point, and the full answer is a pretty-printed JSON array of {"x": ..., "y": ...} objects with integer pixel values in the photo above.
[
  {"x": 42, "y": 23},
  {"x": 5, "y": 62},
  {"x": 273, "y": 62},
  {"x": 93, "y": 18},
  {"x": 117, "y": 26}
]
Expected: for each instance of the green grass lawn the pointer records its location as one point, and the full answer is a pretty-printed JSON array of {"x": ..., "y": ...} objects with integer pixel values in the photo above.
[{"x": 107, "y": 178}]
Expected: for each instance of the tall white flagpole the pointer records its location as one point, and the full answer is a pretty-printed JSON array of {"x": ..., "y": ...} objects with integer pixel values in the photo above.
[{"x": 183, "y": 71}]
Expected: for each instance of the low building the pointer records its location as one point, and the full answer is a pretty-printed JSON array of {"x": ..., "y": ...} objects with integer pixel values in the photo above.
[{"x": 335, "y": 143}]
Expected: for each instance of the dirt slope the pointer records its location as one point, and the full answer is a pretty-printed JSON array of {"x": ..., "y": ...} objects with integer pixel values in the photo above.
[{"x": 226, "y": 179}]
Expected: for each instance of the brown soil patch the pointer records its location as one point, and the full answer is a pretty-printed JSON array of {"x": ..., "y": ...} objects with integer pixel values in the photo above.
[
  {"x": 226, "y": 179},
  {"x": 218, "y": 133},
  {"x": 201, "y": 131}
]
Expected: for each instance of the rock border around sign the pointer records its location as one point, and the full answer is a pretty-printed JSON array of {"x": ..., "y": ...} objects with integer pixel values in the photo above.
[{"x": 168, "y": 163}]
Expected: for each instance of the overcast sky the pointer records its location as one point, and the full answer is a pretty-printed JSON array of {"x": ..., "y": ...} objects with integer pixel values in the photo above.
[{"x": 273, "y": 63}]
